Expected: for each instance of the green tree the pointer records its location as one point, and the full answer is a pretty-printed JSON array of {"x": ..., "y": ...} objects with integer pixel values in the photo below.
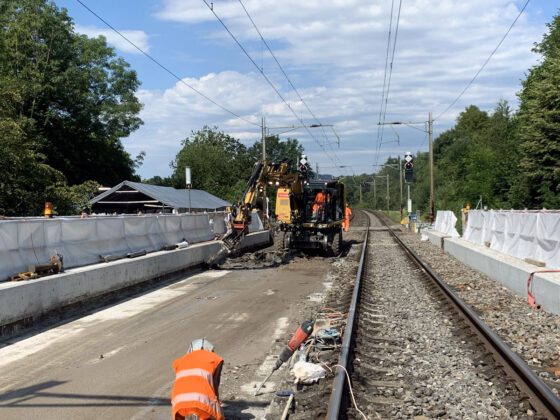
[
  {"x": 25, "y": 176},
  {"x": 289, "y": 150},
  {"x": 219, "y": 163},
  {"x": 76, "y": 93},
  {"x": 539, "y": 126},
  {"x": 158, "y": 180},
  {"x": 73, "y": 199}
]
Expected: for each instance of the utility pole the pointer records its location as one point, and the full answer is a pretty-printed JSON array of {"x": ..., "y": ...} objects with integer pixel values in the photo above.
[
  {"x": 360, "y": 193},
  {"x": 431, "y": 146},
  {"x": 387, "y": 192},
  {"x": 263, "y": 140},
  {"x": 264, "y": 196},
  {"x": 400, "y": 185},
  {"x": 374, "y": 195},
  {"x": 317, "y": 169}
]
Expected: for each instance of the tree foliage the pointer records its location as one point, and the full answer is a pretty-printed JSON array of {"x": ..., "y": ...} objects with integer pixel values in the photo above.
[
  {"x": 221, "y": 164},
  {"x": 66, "y": 101},
  {"x": 218, "y": 163},
  {"x": 539, "y": 126},
  {"x": 289, "y": 150}
]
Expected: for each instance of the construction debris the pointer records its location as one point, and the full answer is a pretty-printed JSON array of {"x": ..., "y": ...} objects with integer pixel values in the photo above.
[{"x": 54, "y": 266}]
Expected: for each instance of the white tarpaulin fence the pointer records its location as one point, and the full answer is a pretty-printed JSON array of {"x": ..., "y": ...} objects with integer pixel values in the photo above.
[
  {"x": 24, "y": 242},
  {"x": 445, "y": 223},
  {"x": 522, "y": 234}
]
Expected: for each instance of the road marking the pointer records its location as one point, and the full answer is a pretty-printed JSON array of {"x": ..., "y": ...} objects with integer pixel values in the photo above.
[
  {"x": 105, "y": 355},
  {"x": 281, "y": 327},
  {"x": 239, "y": 317},
  {"x": 26, "y": 347}
]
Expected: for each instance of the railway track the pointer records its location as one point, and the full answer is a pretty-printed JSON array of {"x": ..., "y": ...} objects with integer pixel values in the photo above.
[{"x": 415, "y": 350}]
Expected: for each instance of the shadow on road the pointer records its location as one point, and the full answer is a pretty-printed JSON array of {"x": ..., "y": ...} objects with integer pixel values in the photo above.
[
  {"x": 23, "y": 397},
  {"x": 233, "y": 410}
]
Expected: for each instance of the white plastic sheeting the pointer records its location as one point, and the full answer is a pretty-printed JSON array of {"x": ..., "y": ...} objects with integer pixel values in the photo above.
[
  {"x": 521, "y": 234},
  {"x": 219, "y": 221},
  {"x": 24, "y": 242},
  {"x": 445, "y": 223}
]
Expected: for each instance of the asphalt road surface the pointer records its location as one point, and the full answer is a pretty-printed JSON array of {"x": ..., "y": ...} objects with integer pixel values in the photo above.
[{"x": 116, "y": 363}]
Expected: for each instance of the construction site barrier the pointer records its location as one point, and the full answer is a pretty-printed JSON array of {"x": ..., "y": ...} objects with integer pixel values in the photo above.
[
  {"x": 445, "y": 223},
  {"x": 25, "y": 242},
  {"x": 521, "y": 234}
]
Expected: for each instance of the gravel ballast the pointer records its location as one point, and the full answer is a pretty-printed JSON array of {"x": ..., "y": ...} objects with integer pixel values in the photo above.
[{"x": 533, "y": 334}]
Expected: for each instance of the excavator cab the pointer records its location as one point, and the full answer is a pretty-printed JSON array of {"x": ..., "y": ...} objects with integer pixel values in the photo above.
[{"x": 324, "y": 202}]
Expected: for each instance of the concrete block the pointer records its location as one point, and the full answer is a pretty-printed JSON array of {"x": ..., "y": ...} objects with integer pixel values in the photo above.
[
  {"x": 256, "y": 239},
  {"x": 436, "y": 238},
  {"x": 35, "y": 297},
  {"x": 510, "y": 271}
]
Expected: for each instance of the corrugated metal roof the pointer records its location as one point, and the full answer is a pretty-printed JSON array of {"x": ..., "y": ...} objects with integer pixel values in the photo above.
[{"x": 170, "y": 196}]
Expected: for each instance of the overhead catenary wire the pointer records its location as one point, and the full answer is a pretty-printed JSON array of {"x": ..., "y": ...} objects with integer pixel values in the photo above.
[
  {"x": 265, "y": 43},
  {"x": 267, "y": 79},
  {"x": 485, "y": 62},
  {"x": 387, "y": 79},
  {"x": 380, "y": 127},
  {"x": 165, "y": 68},
  {"x": 281, "y": 68}
]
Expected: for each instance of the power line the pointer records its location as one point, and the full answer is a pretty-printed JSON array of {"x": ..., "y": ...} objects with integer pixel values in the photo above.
[
  {"x": 261, "y": 71},
  {"x": 223, "y": 108},
  {"x": 486, "y": 62},
  {"x": 391, "y": 63},
  {"x": 380, "y": 127},
  {"x": 281, "y": 68},
  {"x": 387, "y": 80}
]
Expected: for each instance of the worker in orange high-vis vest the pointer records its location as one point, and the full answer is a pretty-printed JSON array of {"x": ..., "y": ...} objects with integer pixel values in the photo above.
[
  {"x": 318, "y": 206},
  {"x": 347, "y": 217},
  {"x": 197, "y": 379}
]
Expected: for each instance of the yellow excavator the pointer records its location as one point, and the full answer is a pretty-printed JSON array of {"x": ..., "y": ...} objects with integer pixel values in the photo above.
[{"x": 309, "y": 212}]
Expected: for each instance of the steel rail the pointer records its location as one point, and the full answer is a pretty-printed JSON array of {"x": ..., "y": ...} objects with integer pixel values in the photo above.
[
  {"x": 541, "y": 396},
  {"x": 337, "y": 394}
]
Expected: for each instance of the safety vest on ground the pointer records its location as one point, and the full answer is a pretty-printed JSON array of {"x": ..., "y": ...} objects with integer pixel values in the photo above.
[{"x": 193, "y": 390}]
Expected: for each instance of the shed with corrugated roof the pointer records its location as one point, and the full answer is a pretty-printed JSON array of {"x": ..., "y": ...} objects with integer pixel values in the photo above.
[{"x": 135, "y": 197}]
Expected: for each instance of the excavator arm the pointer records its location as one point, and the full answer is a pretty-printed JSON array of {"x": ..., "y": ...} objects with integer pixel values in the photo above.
[{"x": 264, "y": 173}]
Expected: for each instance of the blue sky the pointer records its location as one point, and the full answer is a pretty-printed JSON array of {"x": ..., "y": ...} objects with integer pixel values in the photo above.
[{"x": 333, "y": 52}]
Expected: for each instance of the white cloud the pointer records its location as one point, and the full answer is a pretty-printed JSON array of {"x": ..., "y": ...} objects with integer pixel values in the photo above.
[
  {"x": 334, "y": 52},
  {"x": 140, "y": 38}
]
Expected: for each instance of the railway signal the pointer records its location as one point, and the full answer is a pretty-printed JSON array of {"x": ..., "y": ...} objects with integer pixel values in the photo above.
[{"x": 408, "y": 168}]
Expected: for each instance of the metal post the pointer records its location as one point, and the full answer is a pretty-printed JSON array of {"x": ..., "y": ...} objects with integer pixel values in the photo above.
[
  {"x": 374, "y": 195},
  {"x": 188, "y": 181},
  {"x": 265, "y": 212},
  {"x": 408, "y": 205},
  {"x": 400, "y": 185},
  {"x": 431, "y": 146},
  {"x": 388, "y": 193},
  {"x": 263, "y": 140},
  {"x": 360, "y": 193}
]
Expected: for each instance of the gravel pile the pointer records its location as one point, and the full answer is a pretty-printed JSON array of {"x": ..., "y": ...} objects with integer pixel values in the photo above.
[
  {"x": 413, "y": 361},
  {"x": 533, "y": 334}
]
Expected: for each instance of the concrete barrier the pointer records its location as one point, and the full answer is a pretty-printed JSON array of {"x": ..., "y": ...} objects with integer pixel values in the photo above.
[
  {"x": 509, "y": 271},
  {"x": 32, "y": 299},
  {"x": 255, "y": 240},
  {"x": 436, "y": 238},
  {"x": 218, "y": 222},
  {"x": 81, "y": 241}
]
